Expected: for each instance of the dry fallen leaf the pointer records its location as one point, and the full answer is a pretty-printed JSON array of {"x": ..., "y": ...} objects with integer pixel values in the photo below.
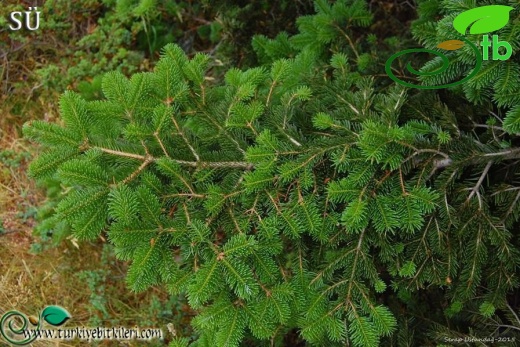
[{"x": 451, "y": 45}]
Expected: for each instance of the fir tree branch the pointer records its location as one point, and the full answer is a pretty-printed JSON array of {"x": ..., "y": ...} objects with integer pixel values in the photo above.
[
  {"x": 354, "y": 270},
  {"x": 511, "y": 189},
  {"x": 203, "y": 90},
  {"x": 401, "y": 180},
  {"x": 513, "y": 153},
  {"x": 186, "y": 213},
  {"x": 217, "y": 164},
  {"x": 271, "y": 88},
  {"x": 356, "y": 111},
  {"x": 439, "y": 164},
  {"x": 156, "y": 135},
  {"x": 235, "y": 223},
  {"x": 498, "y": 326},
  {"x": 425, "y": 150},
  {"x": 190, "y": 195},
  {"x": 301, "y": 240},
  {"x": 196, "y": 164},
  {"x": 511, "y": 208},
  {"x": 148, "y": 160},
  {"x": 475, "y": 125},
  {"x": 197, "y": 158},
  {"x": 220, "y": 128},
  {"x": 509, "y": 154},
  {"x": 513, "y": 312},
  {"x": 481, "y": 179},
  {"x": 351, "y": 44},
  {"x": 121, "y": 154},
  {"x": 293, "y": 140}
]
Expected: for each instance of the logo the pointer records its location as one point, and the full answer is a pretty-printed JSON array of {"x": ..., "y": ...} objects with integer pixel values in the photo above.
[
  {"x": 14, "y": 323},
  {"x": 480, "y": 20},
  {"x": 19, "y": 329}
]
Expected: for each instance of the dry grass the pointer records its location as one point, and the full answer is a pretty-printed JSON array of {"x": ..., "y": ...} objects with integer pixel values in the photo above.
[
  {"x": 17, "y": 192},
  {"x": 30, "y": 282}
]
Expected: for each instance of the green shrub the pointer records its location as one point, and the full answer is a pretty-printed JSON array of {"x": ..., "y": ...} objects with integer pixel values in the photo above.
[
  {"x": 106, "y": 35},
  {"x": 297, "y": 196},
  {"x": 80, "y": 40}
]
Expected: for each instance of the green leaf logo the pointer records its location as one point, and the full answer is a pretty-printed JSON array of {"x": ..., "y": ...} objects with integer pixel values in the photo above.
[
  {"x": 482, "y": 19},
  {"x": 55, "y": 315}
]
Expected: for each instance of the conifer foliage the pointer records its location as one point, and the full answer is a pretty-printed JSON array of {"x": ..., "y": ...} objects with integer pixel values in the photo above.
[{"x": 294, "y": 196}]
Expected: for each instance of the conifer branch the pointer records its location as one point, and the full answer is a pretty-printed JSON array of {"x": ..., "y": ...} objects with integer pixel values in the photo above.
[
  {"x": 195, "y": 164},
  {"x": 217, "y": 164},
  {"x": 513, "y": 205},
  {"x": 156, "y": 135},
  {"x": 271, "y": 88},
  {"x": 348, "y": 297},
  {"x": 203, "y": 90},
  {"x": 485, "y": 126},
  {"x": 424, "y": 150},
  {"x": 439, "y": 164},
  {"x": 507, "y": 326},
  {"x": 221, "y": 129},
  {"x": 351, "y": 44},
  {"x": 190, "y": 195},
  {"x": 197, "y": 158},
  {"x": 481, "y": 179},
  {"x": 186, "y": 213},
  {"x": 122, "y": 154},
  {"x": 513, "y": 153},
  {"x": 235, "y": 223},
  {"x": 513, "y": 313},
  {"x": 146, "y": 162},
  {"x": 334, "y": 208}
]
